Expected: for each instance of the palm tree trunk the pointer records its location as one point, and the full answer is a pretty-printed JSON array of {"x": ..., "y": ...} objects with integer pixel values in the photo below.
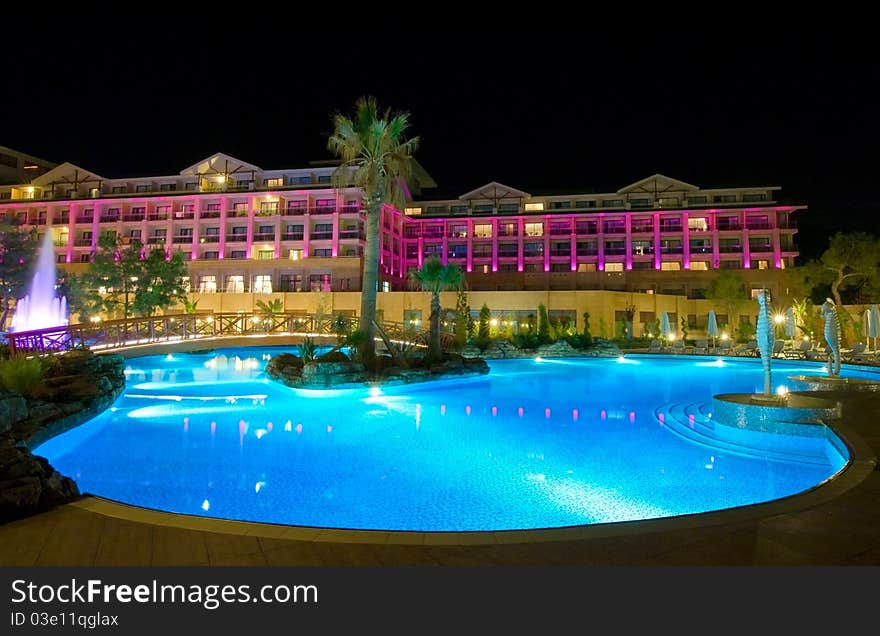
[
  {"x": 435, "y": 326},
  {"x": 369, "y": 285}
]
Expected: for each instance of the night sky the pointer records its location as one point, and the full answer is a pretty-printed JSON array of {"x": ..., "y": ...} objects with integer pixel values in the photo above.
[{"x": 555, "y": 116}]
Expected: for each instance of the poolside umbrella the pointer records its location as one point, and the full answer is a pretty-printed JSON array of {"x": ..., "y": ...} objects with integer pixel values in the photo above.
[
  {"x": 874, "y": 325},
  {"x": 789, "y": 323},
  {"x": 712, "y": 327},
  {"x": 664, "y": 325}
]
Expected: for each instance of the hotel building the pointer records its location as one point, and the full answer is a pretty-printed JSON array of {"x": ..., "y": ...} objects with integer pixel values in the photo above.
[{"x": 247, "y": 229}]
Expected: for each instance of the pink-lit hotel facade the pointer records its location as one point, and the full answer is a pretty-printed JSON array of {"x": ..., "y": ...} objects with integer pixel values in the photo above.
[{"x": 246, "y": 229}]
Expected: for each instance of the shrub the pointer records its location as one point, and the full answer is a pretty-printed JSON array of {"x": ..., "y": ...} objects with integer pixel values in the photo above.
[
  {"x": 308, "y": 350},
  {"x": 21, "y": 374}
]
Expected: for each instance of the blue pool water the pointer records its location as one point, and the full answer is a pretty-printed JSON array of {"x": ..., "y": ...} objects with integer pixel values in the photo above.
[{"x": 534, "y": 444}]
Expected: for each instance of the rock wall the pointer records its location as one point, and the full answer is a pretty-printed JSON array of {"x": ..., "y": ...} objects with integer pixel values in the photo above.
[{"x": 79, "y": 386}]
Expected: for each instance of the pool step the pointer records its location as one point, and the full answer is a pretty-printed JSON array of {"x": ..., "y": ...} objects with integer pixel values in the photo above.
[{"x": 692, "y": 421}]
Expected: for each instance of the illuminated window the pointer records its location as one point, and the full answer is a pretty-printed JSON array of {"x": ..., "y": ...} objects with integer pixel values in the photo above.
[
  {"x": 295, "y": 255},
  {"x": 668, "y": 202},
  {"x": 670, "y": 266},
  {"x": 207, "y": 284},
  {"x": 586, "y": 267},
  {"x": 386, "y": 286},
  {"x": 412, "y": 211},
  {"x": 699, "y": 265},
  {"x": 534, "y": 207},
  {"x": 485, "y": 269},
  {"x": 699, "y": 224},
  {"x": 234, "y": 283},
  {"x": 613, "y": 267},
  {"x": 262, "y": 284},
  {"x": 483, "y": 231},
  {"x": 276, "y": 182},
  {"x": 534, "y": 229},
  {"x": 265, "y": 255}
]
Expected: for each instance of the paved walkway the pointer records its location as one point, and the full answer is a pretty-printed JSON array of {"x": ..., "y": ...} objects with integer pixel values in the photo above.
[{"x": 835, "y": 524}]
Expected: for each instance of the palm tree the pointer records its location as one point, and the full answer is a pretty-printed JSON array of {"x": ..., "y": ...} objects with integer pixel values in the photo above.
[
  {"x": 376, "y": 158},
  {"x": 268, "y": 311},
  {"x": 436, "y": 277}
]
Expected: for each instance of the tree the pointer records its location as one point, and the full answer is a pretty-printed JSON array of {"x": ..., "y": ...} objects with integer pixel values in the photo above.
[
  {"x": 851, "y": 260},
  {"x": 436, "y": 277},
  {"x": 543, "y": 325},
  {"x": 135, "y": 283},
  {"x": 378, "y": 159},
  {"x": 462, "y": 318},
  {"x": 268, "y": 311},
  {"x": 729, "y": 290},
  {"x": 18, "y": 250},
  {"x": 483, "y": 324}
]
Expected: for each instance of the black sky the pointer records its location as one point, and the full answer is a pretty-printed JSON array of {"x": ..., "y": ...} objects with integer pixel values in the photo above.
[{"x": 555, "y": 115}]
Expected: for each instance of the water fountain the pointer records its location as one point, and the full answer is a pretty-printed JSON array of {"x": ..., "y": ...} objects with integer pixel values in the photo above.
[{"x": 41, "y": 309}]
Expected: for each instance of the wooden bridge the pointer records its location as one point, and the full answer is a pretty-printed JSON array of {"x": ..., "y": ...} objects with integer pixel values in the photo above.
[{"x": 114, "y": 334}]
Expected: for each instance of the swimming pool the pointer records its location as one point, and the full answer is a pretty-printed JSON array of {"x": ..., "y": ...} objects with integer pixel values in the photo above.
[{"x": 534, "y": 444}]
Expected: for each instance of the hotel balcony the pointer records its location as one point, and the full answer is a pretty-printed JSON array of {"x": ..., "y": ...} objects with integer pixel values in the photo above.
[
  {"x": 730, "y": 249},
  {"x": 615, "y": 251},
  {"x": 62, "y": 220},
  {"x": 729, "y": 227},
  {"x": 109, "y": 218},
  {"x": 322, "y": 210},
  {"x": 133, "y": 217},
  {"x": 352, "y": 234},
  {"x": 236, "y": 238},
  {"x": 209, "y": 214},
  {"x": 82, "y": 242},
  {"x": 155, "y": 240},
  {"x": 671, "y": 250},
  {"x": 84, "y": 219},
  {"x": 183, "y": 238},
  {"x": 700, "y": 249},
  {"x": 670, "y": 228},
  {"x": 757, "y": 226},
  {"x": 158, "y": 216},
  {"x": 350, "y": 209},
  {"x": 264, "y": 237},
  {"x": 642, "y": 229},
  {"x": 184, "y": 215},
  {"x": 292, "y": 236},
  {"x": 295, "y": 211},
  {"x": 321, "y": 236}
]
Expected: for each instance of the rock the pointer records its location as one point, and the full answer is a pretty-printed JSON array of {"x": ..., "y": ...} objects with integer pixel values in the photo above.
[
  {"x": 557, "y": 349},
  {"x": 470, "y": 352},
  {"x": 329, "y": 374},
  {"x": 13, "y": 408},
  {"x": 501, "y": 349},
  {"x": 19, "y": 497},
  {"x": 287, "y": 368},
  {"x": 333, "y": 356}
]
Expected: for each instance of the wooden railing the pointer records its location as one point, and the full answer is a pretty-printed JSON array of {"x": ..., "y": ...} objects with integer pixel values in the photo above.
[{"x": 113, "y": 334}]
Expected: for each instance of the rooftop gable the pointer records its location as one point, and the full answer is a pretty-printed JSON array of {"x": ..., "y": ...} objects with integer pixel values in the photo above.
[
  {"x": 66, "y": 173},
  {"x": 220, "y": 163},
  {"x": 495, "y": 191},
  {"x": 656, "y": 184}
]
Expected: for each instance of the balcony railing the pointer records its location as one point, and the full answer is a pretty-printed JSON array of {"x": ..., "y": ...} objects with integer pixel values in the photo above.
[
  {"x": 322, "y": 210},
  {"x": 184, "y": 215},
  {"x": 82, "y": 242},
  {"x": 209, "y": 214},
  {"x": 64, "y": 220},
  {"x": 729, "y": 227},
  {"x": 184, "y": 238},
  {"x": 614, "y": 229},
  {"x": 730, "y": 249},
  {"x": 162, "y": 216},
  {"x": 321, "y": 236},
  {"x": 108, "y": 219},
  {"x": 295, "y": 211},
  {"x": 642, "y": 229},
  {"x": 292, "y": 236},
  {"x": 155, "y": 240},
  {"x": 84, "y": 219},
  {"x": 209, "y": 238},
  {"x": 236, "y": 238},
  {"x": 758, "y": 226},
  {"x": 615, "y": 251},
  {"x": 350, "y": 209},
  {"x": 133, "y": 217},
  {"x": 352, "y": 234},
  {"x": 671, "y": 250},
  {"x": 265, "y": 237},
  {"x": 670, "y": 228},
  {"x": 700, "y": 249}
]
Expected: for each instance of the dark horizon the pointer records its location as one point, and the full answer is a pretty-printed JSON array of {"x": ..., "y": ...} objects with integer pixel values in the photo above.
[{"x": 561, "y": 119}]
